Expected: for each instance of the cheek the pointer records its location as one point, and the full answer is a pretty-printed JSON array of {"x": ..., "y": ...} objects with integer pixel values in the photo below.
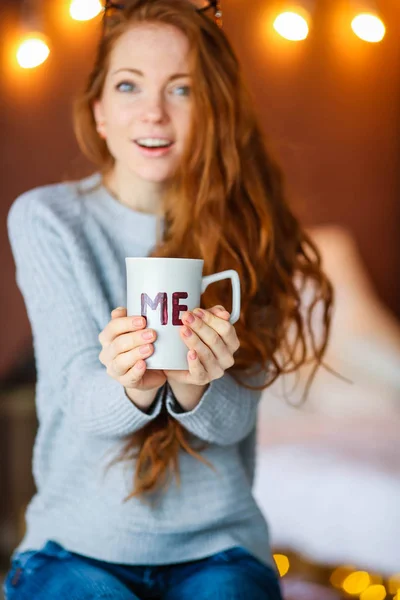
[
  {"x": 121, "y": 114},
  {"x": 119, "y": 130},
  {"x": 183, "y": 122},
  {"x": 124, "y": 116}
]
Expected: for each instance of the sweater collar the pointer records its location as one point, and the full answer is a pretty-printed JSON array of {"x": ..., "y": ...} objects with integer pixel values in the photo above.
[{"x": 125, "y": 218}]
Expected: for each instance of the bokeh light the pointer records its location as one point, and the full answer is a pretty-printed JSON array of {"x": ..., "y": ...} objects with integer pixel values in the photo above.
[
  {"x": 375, "y": 579},
  {"x": 368, "y": 27},
  {"x": 339, "y": 575},
  {"x": 291, "y": 26},
  {"x": 32, "y": 51},
  {"x": 356, "y": 582},
  {"x": 374, "y": 592},
  {"x": 84, "y": 10},
  {"x": 282, "y": 564},
  {"x": 394, "y": 584}
]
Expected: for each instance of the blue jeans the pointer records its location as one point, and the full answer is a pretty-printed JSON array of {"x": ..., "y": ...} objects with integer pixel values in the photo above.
[{"x": 54, "y": 573}]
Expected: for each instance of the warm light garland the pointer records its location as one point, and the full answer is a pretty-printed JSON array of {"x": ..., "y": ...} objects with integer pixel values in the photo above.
[{"x": 292, "y": 24}]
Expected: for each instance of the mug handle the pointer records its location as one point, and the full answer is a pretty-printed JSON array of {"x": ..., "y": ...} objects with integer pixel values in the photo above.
[{"x": 234, "y": 277}]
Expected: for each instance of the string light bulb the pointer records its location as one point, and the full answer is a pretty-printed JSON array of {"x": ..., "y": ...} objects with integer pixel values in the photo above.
[
  {"x": 293, "y": 22},
  {"x": 32, "y": 51},
  {"x": 85, "y": 10},
  {"x": 368, "y": 27},
  {"x": 34, "y": 47},
  {"x": 366, "y": 23}
]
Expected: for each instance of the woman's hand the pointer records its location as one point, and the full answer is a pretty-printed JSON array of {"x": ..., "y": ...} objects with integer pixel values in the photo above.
[
  {"x": 123, "y": 352},
  {"x": 212, "y": 342}
]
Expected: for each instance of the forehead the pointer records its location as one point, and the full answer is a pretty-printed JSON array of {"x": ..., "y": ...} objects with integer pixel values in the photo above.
[{"x": 151, "y": 47}]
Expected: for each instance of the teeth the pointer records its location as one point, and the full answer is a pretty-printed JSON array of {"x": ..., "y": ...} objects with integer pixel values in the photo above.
[{"x": 153, "y": 142}]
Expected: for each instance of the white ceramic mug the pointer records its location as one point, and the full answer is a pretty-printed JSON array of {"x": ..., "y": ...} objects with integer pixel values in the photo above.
[{"x": 160, "y": 289}]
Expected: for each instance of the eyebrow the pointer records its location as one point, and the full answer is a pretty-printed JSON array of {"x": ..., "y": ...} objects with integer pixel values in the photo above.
[{"x": 141, "y": 74}]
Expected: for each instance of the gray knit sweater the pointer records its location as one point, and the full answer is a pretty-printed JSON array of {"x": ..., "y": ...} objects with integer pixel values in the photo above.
[{"x": 69, "y": 243}]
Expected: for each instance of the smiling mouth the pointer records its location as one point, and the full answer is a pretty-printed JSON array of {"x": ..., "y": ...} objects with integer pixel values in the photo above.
[
  {"x": 154, "y": 150},
  {"x": 153, "y": 143}
]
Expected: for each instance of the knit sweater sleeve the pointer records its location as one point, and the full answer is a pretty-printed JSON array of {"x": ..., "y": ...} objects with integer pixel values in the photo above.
[
  {"x": 65, "y": 332},
  {"x": 226, "y": 413}
]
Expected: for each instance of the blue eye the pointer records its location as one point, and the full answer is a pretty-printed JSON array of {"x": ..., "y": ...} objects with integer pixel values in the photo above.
[
  {"x": 126, "y": 86},
  {"x": 182, "y": 90}
]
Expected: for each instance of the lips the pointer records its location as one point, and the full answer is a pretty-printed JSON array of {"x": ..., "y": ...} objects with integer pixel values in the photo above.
[
  {"x": 153, "y": 142},
  {"x": 155, "y": 151}
]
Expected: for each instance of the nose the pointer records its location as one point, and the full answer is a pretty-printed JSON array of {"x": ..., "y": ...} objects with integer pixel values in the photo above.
[{"x": 153, "y": 110}]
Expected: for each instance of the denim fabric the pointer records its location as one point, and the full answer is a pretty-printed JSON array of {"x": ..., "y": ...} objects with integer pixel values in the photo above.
[{"x": 54, "y": 573}]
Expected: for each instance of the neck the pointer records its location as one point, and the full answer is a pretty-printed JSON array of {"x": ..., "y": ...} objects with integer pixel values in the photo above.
[{"x": 138, "y": 194}]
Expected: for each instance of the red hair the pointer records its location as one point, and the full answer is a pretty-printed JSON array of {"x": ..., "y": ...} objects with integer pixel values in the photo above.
[{"x": 226, "y": 205}]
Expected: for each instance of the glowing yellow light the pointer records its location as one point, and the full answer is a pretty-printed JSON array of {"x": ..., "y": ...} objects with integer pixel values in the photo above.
[
  {"x": 339, "y": 575},
  {"x": 282, "y": 564},
  {"x": 374, "y": 592},
  {"x": 394, "y": 585},
  {"x": 356, "y": 583},
  {"x": 84, "y": 10},
  {"x": 375, "y": 579},
  {"x": 291, "y": 26},
  {"x": 397, "y": 596},
  {"x": 368, "y": 27},
  {"x": 33, "y": 51}
]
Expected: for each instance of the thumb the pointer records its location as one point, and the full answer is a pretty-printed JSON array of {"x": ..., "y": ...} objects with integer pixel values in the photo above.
[{"x": 118, "y": 312}]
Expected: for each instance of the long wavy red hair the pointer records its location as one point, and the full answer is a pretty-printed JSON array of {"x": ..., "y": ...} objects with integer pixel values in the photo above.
[{"x": 226, "y": 205}]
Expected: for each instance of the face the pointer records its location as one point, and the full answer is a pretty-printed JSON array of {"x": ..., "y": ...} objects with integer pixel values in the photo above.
[{"x": 146, "y": 106}]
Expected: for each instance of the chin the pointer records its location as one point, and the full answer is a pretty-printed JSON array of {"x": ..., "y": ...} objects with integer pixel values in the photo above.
[{"x": 153, "y": 175}]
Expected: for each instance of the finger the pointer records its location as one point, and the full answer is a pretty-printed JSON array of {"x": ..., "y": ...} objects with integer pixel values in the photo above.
[
  {"x": 129, "y": 341},
  {"x": 218, "y": 318},
  {"x": 134, "y": 375},
  {"x": 118, "y": 312},
  {"x": 210, "y": 339},
  {"x": 122, "y": 363},
  {"x": 196, "y": 370},
  {"x": 125, "y": 343},
  {"x": 204, "y": 352},
  {"x": 117, "y": 326},
  {"x": 222, "y": 347},
  {"x": 222, "y": 313}
]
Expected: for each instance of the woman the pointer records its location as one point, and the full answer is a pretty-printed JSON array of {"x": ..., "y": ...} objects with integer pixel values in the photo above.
[{"x": 144, "y": 477}]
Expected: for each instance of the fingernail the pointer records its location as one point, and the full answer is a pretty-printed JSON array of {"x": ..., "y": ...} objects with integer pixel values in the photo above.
[
  {"x": 187, "y": 332},
  {"x": 147, "y": 335},
  {"x": 144, "y": 349},
  {"x": 200, "y": 313},
  {"x": 138, "y": 322},
  {"x": 189, "y": 318}
]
